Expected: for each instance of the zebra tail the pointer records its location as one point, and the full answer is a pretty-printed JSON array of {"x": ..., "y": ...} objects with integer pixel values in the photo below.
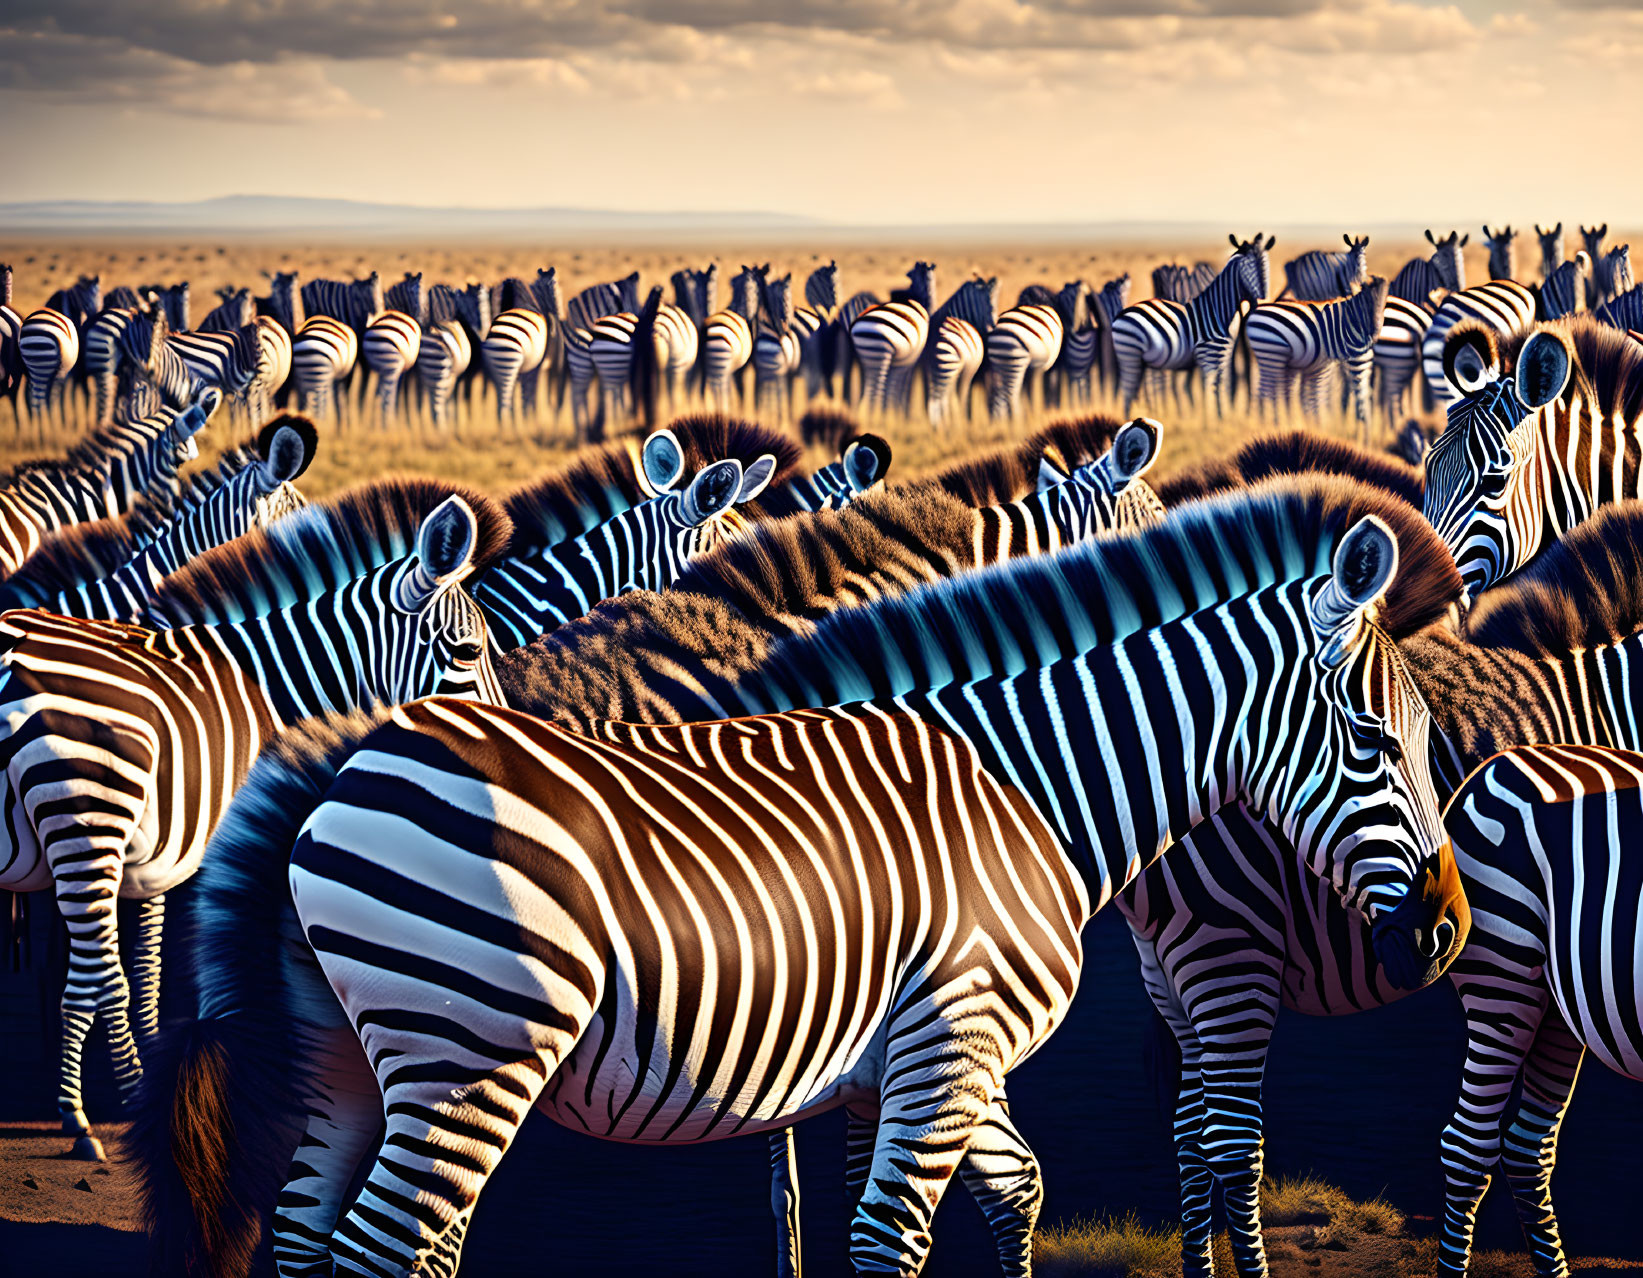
[
  {"x": 222, "y": 1103},
  {"x": 646, "y": 375},
  {"x": 1161, "y": 1058}
]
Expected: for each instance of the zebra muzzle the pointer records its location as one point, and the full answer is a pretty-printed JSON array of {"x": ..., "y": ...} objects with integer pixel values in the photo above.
[{"x": 1421, "y": 937}]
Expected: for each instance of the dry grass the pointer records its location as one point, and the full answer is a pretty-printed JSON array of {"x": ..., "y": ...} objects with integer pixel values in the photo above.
[{"x": 1123, "y": 1248}]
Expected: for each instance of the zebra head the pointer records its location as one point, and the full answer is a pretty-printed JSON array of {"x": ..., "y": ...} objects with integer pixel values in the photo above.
[
  {"x": 437, "y": 645},
  {"x": 1448, "y": 260},
  {"x": 545, "y": 288},
  {"x": 1114, "y": 296},
  {"x": 821, "y": 289},
  {"x": 473, "y": 308},
  {"x": 1482, "y": 495},
  {"x": 694, "y": 521},
  {"x": 1355, "y": 270},
  {"x": 1352, "y": 786},
  {"x": 1502, "y": 246},
  {"x": 187, "y": 424},
  {"x": 865, "y": 461},
  {"x": 1551, "y": 249},
  {"x": 1618, "y": 276},
  {"x": 744, "y": 293},
  {"x": 1121, "y": 501},
  {"x": 1593, "y": 236},
  {"x": 921, "y": 284},
  {"x": 1255, "y": 264}
]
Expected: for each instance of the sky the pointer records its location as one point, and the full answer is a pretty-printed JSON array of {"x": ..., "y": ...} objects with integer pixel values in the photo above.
[{"x": 880, "y": 112}]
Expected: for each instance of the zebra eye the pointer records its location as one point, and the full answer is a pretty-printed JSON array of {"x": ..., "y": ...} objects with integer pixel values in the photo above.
[
  {"x": 1374, "y": 737},
  {"x": 465, "y": 654}
]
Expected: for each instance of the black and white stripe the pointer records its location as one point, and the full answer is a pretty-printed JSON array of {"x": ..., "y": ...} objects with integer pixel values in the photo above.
[
  {"x": 323, "y": 354},
  {"x": 392, "y": 342},
  {"x": 1308, "y": 340},
  {"x": 1502, "y": 246},
  {"x": 1443, "y": 272},
  {"x": 1322, "y": 277},
  {"x": 1505, "y": 306}
]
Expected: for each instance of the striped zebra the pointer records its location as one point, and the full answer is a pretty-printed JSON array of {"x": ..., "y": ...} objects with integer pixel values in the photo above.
[
  {"x": 392, "y": 343},
  {"x": 1157, "y": 336},
  {"x": 585, "y": 310},
  {"x": 820, "y": 334},
  {"x": 1545, "y": 835},
  {"x": 1624, "y": 312},
  {"x": 864, "y": 461},
  {"x": 1397, "y": 353},
  {"x": 232, "y": 361},
  {"x": 678, "y": 347},
  {"x": 551, "y": 302},
  {"x": 1444, "y": 271},
  {"x": 11, "y": 358},
  {"x": 48, "y": 345},
  {"x": 1308, "y": 340},
  {"x": 1080, "y": 344},
  {"x": 408, "y": 297},
  {"x": 514, "y": 348},
  {"x": 354, "y": 302},
  {"x": 150, "y": 371},
  {"x": 727, "y": 339},
  {"x": 953, "y": 764},
  {"x": 888, "y": 342},
  {"x": 100, "y": 478},
  {"x": 1176, "y": 283},
  {"x": 323, "y": 355},
  {"x": 71, "y": 574},
  {"x": 172, "y": 301},
  {"x": 458, "y": 323},
  {"x": 1502, "y": 246},
  {"x": 1551, "y": 249},
  {"x": 103, "y": 341},
  {"x": 273, "y": 367},
  {"x": 1564, "y": 289},
  {"x": 642, "y": 548},
  {"x": 786, "y": 333},
  {"x": 1110, "y": 302},
  {"x": 235, "y": 311},
  {"x": 1505, "y": 306},
  {"x": 957, "y": 346},
  {"x": 1024, "y": 343},
  {"x": 1593, "y": 237},
  {"x": 283, "y": 303},
  {"x": 1322, "y": 277},
  {"x": 1529, "y": 455},
  {"x": 351, "y": 602},
  {"x": 621, "y": 351}
]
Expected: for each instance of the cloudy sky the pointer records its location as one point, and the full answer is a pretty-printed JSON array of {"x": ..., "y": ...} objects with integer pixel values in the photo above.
[{"x": 876, "y": 111}]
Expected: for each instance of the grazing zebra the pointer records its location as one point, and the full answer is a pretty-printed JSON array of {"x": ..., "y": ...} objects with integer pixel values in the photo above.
[
  {"x": 235, "y": 311},
  {"x": 48, "y": 345},
  {"x": 1548, "y": 837},
  {"x": 642, "y": 548},
  {"x": 1025, "y": 342},
  {"x": 1551, "y": 249},
  {"x": 1322, "y": 277},
  {"x": 1502, "y": 246},
  {"x": 1397, "y": 353},
  {"x": 102, "y": 477},
  {"x": 1444, "y": 271},
  {"x": 283, "y": 303},
  {"x": 1565, "y": 287},
  {"x": 356, "y": 303},
  {"x": 950, "y": 762},
  {"x": 1157, "y": 335},
  {"x": 888, "y": 341},
  {"x": 1505, "y": 306},
  {"x": 408, "y": 297},
  {"x": 64, "y": 578},
  {"x": 1531, "y": 454},
  {"x": 343, "y": 604},
  {"x": 1308, "y": 339},
  {"x": 323, "y": 354},
  {"x": 392, "y": 343}
]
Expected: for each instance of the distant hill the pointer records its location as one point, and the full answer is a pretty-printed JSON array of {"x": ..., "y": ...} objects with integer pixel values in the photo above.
[{"x": 276, "y": 214}]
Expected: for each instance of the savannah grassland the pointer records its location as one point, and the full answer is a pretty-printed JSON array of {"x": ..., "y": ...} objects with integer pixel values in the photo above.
[{"x": 493, "y": 457}]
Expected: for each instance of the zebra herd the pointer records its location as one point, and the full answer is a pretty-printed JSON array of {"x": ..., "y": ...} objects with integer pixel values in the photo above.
[
  {"x": 687, "y": 792},
  {"x": 1335, "y": 330}
]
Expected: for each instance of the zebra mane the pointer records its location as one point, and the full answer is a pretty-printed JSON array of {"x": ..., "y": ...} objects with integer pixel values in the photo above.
[
  {"x": 600, "y": 483},
  {"x": 1608, "y": 368},
  {"x": 828, "y": 426},
  {"x": 1033, "y": 610},
  {"x": 1582, "y": 591},
  {"x": 88, "y": 457},
  {"x": 1010, "y": 473},
  {"x": 1292, "y": 453},
  {"x": 318, "y": 549}
]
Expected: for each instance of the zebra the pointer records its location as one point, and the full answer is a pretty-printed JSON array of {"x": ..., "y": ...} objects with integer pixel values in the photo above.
[
  {"x": 103, "y": 343},
  {"x": 550, "y": 301},
  {"x": 323, "y": 354},
  {"x": 514, "y": 348},
  {"x": 100, "y": 478},
  {"x": 391, "y": 347},
  {"x": 775, "y": 344},
  {"x": 1444, "y": 271},
  {"x": 727, "y": 338},
  {"x": 1160, "y": 335},
  {"x": 1323, "y": 277},
  {"x": 1611, "y": 270},
  {"x": 1547, "y": 835},
  {"x": 1307, "y": 339},
  {"x": 458, "y": 323},
  {"x": 345, "y": 603},
  {"x": 888, "y": 341},
  {"x": 820, "y": 332},
  {"x": 1502, "y": 246},
  {"x": 171, "y": 300},
  {"x": 233, "y": 360},
  {"x": 243, "y": 496},
  {"x": 675, "y": 333},
  {"x": 283, "y": 303},
  {"x": 1529, "y": 455},
  {"x": 585, "y": 310},
  {"x": 1564, "y": 288},
  {"x": 1093, "y": 695},
  {"x": 864, "y": 461},
  {"x": 1025, "y": 342},
  {"x": 273, "y": 367},
  {"x": 1505, "y": 306},
  {"x": 144, "y": 357},
  {"x": 642, "y": 548},
  {"x": 48, "y": 345},
  {"x": 1624, "y": 312},
  {"x": 621, "y": 350},
  {"x": 1397, "y": 352},
  {"x": 356, "y": 303},
  {"x": 11, "y": 360},
  {"x": 957, "y": 346},
  {"x": 408, "y": 297},
  {"x": 1176, "y": 283},
  {"x": 1551, "y": 250},
  {"x": 235, "y": 311}
]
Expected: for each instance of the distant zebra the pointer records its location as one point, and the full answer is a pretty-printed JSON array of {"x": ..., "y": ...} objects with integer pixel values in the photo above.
[
  {"x": 284, "y": 302},
  {"x": 1505, "y": 306},
  {"x": 392, "y": 343},
  {"x": 512, "y": 352},
  {"x": 621, "y": 350},
  {"x": 1614, "y": 275},
  {"x": 1397, "y": 353},
  {"x": 172, "y": 301},
  {"x": 323, "y": 354},
  {"x": 585, "y": 310},
  {"x": 1157, "y": 336},
  {"x": 1502, "y": 245},
  {"x": 727, "y": 338},
  {"x": 458, "y": 322},
  {"x": 1593, "y": 237},
  {"x": 356, "y": 303},
  {"x": 11, "y": 357},
  {"x": 1306, "y": 340},
  {"x": 1444, "y": 271},
  {"x": 1323, "y": 277},
  {"x": 888, "y": 341},
  {"x": 1624, "y": 312},
  {"x": 678, "y": 348},
  {"x": 1176, "y": 283},
  {"x": 103, "y": 343},
  {"x": 229, "y": 360},
  {"x": 48, "y": 345},
  {"x": 1110, "y": 302},
  {"x": 1080, "y": 343},
  {"x": 143, "y": 353},
  {"x": 1024, "y": 343},
  {"x": 1564, "y": 289},
  {"x": 776, "y": 345},
  {"x": 819, "y": 335},
  {"x": 234, "y": 312},
  {"x": 958, "y": 346},
  {"x": 408, "y": 297},
  {"x": 1548, "y": 838},
  {"x": 1551, "y": 249}
]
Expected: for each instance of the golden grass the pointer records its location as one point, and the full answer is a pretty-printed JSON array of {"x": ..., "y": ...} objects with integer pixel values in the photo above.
[
  {"x": 1121, "y": 1248},
  {"x": 1308, "y": 1200}
]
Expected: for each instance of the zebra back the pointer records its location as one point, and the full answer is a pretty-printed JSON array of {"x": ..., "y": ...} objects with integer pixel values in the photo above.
[
  {"x": 409, "y": 297},
  {"x": 821, "y": 289},
  {"x": 284, "y": 301}
]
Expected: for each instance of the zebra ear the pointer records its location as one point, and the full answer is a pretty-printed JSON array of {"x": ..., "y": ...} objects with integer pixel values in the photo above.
[
  {"x": 866, "y": 460},
  {"x": 1471, "y": 357},
  {"x": 756, "y": 478},
  {"x": 715, "y": 490},
  {"x": 1051, "y": 471},
  {"x": 663, "y": 460},
  {"x": 445, "y": 542},
  {"x": 1134, "y": 449},
  {"x": 288, "y": 444},
  {"x": 208, "y": 399},
  {"x": 1543, "y": 368},
  {"x": 1429, "y": 238},
  {"x": 1365, "y": 563},
  {"x": 1465, "y": 239}
]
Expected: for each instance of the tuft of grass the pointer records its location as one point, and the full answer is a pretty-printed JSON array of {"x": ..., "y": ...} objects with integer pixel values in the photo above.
[
  {"x": 1108, "y": 1247},
  {"x": 1307, "y": 1200}
]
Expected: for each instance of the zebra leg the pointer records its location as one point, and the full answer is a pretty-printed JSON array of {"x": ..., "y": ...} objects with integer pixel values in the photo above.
[
  {"x": 145, "y": 969},
  {"x": 1503, "y": 1017},
  {"x": 1530, "y": 1152},
  {"x": 784, "y": 1203},
  {"x": 1007, "y": 1183}
]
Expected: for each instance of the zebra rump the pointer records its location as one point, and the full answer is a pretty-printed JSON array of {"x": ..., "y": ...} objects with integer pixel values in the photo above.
[{"x": 208, "y": 1204}]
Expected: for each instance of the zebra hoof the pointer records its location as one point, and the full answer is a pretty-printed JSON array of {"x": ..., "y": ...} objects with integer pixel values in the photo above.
[
  {"x": 75, "y": 1122},
  {"x": 88, "y": 1149}
]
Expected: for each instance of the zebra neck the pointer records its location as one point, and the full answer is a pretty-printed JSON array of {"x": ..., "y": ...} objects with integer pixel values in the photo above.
[
  {"x": 1124, "y": 748},
  {"x": 1581, "y": 461},
  {"x": 1212, "y": 310}
]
